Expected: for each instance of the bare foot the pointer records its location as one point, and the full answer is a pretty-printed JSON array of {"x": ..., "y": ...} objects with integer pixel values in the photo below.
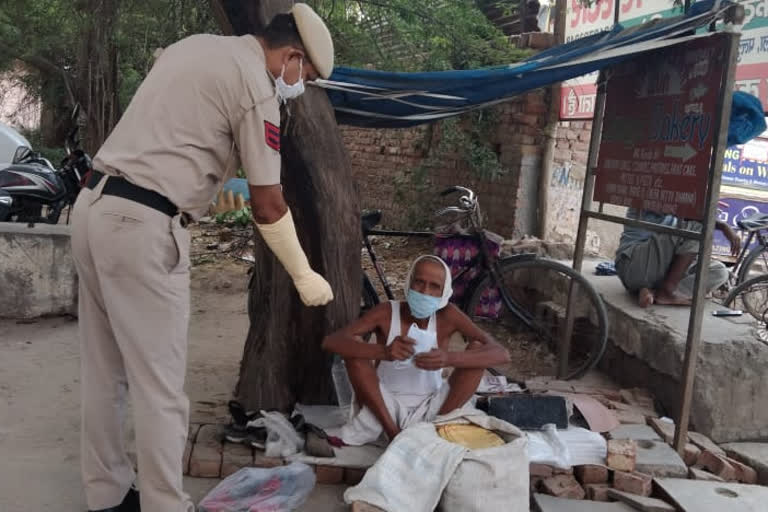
[
  {"x": 671, "y": 299},
  {"x": 645, "y": 297}
]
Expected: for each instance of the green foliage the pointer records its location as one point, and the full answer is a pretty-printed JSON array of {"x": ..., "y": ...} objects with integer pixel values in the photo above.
[
  {"x": 237, "y": 217},
  {"x": 464, "y": 139},
  {"x": 404, "y": 35},
  {"x": 47, "y": 36}
]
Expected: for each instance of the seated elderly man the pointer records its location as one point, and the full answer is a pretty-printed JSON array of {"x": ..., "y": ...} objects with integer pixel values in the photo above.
[{"x": 398, "y": 380}]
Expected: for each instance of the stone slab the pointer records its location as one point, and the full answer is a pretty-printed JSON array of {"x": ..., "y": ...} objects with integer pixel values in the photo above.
[
  {"x": 702, "y": 474},
  {"x": 642, "y": 503},
  {"x": 235, "y": 457},
  {"x": 752, "y": 454},
  {"x": 647, "y": 348},
  {"x": 544, "y": 503},
  {"x": 635, "y": 432},
  {"x": 702, "y": 496},
  {"x": 657, "y": 458},
  {"x": 37, "y": 273},
  {"x": 705, "y": 443},
  {"x": 665, "y": 429},
  {"x": 205, "y": 461}
]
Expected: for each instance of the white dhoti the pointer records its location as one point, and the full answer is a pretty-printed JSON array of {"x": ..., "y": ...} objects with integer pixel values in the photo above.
[{"x": 364, "y": 427}]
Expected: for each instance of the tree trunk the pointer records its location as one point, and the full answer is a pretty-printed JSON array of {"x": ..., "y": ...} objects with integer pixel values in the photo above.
[
  {"x": 97, "y": 85},
  {"x": 283, "y": 362}
]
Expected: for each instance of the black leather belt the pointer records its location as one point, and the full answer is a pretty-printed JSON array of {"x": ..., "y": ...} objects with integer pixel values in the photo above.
[{"x": 120, "y": 187}]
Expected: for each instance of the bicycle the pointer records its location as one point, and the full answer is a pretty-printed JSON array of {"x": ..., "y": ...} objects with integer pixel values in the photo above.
[
  {"x": 513, "y": 295},
  {"x": 751, "y": 261},
  {"x": 753, "y": 295}
]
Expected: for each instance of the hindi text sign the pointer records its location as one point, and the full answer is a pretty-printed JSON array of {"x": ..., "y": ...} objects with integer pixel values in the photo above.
[{"x": 659, "y": 128}]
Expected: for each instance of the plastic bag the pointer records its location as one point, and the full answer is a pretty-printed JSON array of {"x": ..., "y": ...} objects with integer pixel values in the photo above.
[
  {"x": 279, "y": 489},
  {"x": 546, "y": 447},
  {"x": 282, "y": 438}
]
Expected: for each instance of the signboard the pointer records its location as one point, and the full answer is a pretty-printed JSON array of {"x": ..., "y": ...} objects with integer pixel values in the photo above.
[
  {"x": 578, "y": 95},
  {"x": 577, "y": 100},
  {"x": 659, "y": 128},
  {"x": 747, "y": 165}
]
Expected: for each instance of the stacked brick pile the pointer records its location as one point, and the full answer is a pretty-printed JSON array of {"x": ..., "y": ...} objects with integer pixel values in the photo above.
[{"x": 625, "y": 477}]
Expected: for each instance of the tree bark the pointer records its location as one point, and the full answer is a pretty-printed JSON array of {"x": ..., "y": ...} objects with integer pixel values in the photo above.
[
  {"x": 282, "y": 361},
  {"x": 97, "y": 77}
]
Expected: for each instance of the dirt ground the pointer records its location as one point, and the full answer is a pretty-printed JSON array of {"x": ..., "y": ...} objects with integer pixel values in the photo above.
[
  {"x": 40, "y": 396},
  {"x": 39, "y": 378}
]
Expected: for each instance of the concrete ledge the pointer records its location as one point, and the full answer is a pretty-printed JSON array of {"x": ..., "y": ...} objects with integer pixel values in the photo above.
[
  {"x": 37, "y": 273},
  {"x": 647, "y": 348}
]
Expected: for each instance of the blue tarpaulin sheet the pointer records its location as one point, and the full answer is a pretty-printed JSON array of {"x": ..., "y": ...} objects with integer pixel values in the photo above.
[{"x": 391, "y": 100}]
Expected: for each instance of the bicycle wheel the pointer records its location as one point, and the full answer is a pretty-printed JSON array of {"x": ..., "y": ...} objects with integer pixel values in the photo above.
[
  {"x": 755, "y": 264},
  {"x": 538, "y": 290},
  {"x": 752, "y": 296}
]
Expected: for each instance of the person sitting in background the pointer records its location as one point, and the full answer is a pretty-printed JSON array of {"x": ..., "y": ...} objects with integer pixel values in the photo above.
[
  {"x": 398, "y": 380},
  {"x": 661, "y": 268}
]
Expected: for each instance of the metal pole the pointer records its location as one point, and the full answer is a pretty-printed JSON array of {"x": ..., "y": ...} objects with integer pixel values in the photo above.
[
  {"x": 586, "y": 204},
  {"x": 705, "y": 250}
]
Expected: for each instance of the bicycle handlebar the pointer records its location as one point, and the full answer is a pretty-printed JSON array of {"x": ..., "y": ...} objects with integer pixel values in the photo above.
[{"x": 456, "y": 188}]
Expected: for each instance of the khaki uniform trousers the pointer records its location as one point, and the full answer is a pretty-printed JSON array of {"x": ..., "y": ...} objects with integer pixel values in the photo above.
[{"x": 133, "y": 268}]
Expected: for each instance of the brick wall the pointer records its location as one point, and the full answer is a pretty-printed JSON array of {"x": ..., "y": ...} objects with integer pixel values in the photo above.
[
  {"x": 566, "y": 188},
  {"x": 387, "y": 165}
]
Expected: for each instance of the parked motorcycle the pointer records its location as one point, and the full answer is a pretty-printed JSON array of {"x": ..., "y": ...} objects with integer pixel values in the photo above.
[
  {"x": 5, "y": 206},
  {"x": 38, "y": 191}
]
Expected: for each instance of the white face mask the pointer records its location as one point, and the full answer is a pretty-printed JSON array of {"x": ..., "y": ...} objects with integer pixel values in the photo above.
[{"x": 288, "y": 92}]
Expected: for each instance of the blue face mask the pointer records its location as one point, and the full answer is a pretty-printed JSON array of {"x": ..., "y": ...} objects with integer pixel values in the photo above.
[{"x": 422, "y": 306}]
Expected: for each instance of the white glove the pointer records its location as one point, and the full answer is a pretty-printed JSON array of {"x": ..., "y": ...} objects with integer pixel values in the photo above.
[
  {"x": 313, "y": 289},
  {"x": 281, "y": 238}
]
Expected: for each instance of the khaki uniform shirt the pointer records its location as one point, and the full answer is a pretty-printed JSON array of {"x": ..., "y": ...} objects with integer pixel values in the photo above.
[{"x": 207, "y": 107}]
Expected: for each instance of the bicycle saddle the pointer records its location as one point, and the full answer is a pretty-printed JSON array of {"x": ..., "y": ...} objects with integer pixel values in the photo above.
[
  {"x": 370, "y": 219},
  {"x": 754, "y": 222}
]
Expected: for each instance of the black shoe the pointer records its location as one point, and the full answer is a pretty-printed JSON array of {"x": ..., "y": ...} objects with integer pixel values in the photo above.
[{"x": 130, "y": 503}]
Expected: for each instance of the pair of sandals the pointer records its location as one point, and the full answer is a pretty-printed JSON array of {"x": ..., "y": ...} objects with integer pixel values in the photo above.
[{"x": 246, "y": 428}]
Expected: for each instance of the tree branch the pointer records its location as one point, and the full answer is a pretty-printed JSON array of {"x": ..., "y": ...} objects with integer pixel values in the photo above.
[{"x": 41, "y": 64}]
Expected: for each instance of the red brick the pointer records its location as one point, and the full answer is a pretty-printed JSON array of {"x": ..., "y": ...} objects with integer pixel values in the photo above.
[
  {"x": 205, "y": 459},
  {"x": 744, "y": 473},
  {"x": 622, "y": 454},
  {"x": 664, "y": 428},
  {"x": 235, "y": 457},
  {"x": 717, "y": 465},
  {"x": 331, "y": 475},
  {"x": 597, "y": 492},
  {"x": 580, "y": 157},
  {"x": 563, "y": 486},
  {"x": 262, "y": 461},
  {"x": 700, "y": 474},
  {"x": 191, "y": 436},
  {"x": 635, "y": 483},
  {"x": 691, "y": 454},
  {"x": 541, "y": 470},
  {"x": 705, "y": 443},
  {"x": 591, "y": 474},
  {"x": 353, "y": 476}
]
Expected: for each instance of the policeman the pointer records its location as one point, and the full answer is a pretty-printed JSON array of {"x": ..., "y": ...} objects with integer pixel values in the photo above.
[{"x": 209, "y": 105}]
